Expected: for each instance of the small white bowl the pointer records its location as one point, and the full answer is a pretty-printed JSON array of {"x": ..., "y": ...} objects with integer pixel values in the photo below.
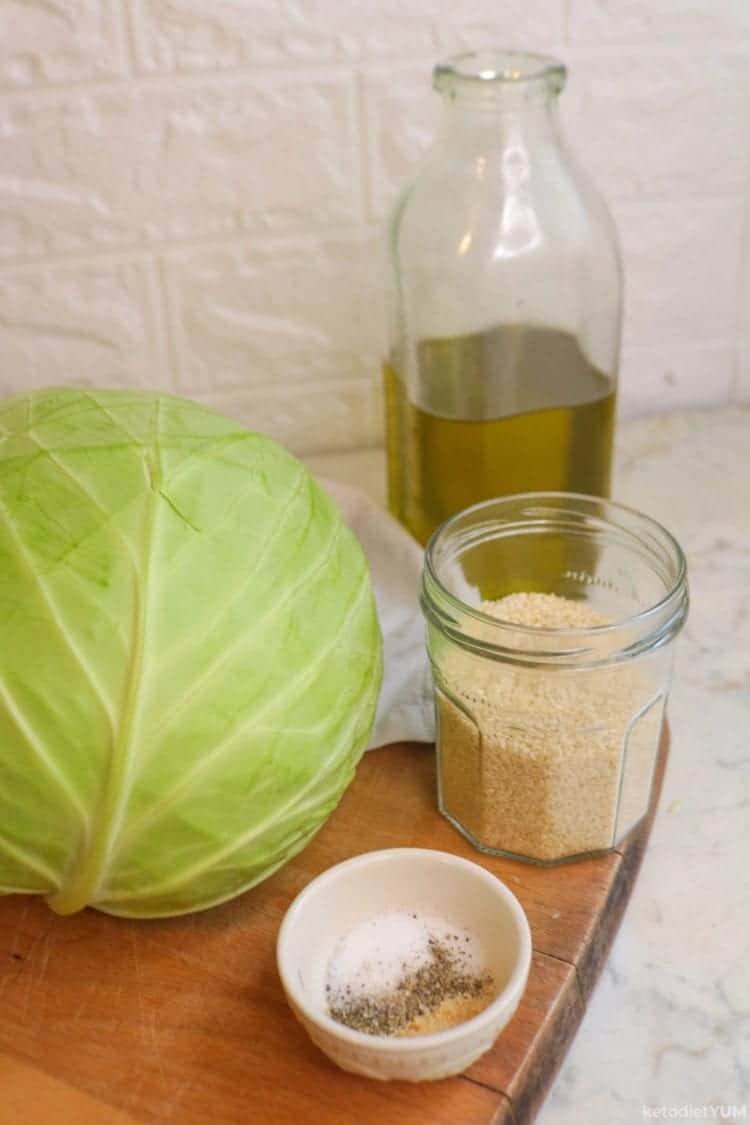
[{"x": 431, "y": 883}]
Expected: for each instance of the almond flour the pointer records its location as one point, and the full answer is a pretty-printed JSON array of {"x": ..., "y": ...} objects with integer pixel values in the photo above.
[{"x": 531, "y": 758}]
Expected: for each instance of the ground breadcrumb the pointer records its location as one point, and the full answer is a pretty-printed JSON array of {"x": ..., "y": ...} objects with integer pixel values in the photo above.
[{"x": 530, "y": 758}]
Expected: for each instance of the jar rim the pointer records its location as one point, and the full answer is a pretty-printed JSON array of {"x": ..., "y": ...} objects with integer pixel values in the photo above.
[
  {"x": 498, "y": 66},
  {"x": 676, "y": 592}
]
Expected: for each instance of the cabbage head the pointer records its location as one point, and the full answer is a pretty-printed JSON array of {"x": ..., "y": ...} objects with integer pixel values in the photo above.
[{"x": 189, "y": 653}]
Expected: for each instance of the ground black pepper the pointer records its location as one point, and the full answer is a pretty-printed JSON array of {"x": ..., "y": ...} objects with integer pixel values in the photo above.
[{"x": 419, "y": 991}]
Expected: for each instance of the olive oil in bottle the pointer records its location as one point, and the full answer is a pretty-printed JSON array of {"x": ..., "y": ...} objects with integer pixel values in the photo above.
[{"x": 517, "y": 408}]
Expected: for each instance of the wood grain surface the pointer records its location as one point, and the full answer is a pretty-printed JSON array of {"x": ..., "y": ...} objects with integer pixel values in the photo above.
[{"x": 106, "y": 1021}]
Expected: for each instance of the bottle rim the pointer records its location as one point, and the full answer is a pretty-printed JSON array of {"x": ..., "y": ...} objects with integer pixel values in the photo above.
[{"x": 498, "y": 67}]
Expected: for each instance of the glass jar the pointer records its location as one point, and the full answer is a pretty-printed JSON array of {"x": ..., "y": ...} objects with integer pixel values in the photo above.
[
  {"x": 505, "y": 303},
  {"x": 548, "y": 736}
]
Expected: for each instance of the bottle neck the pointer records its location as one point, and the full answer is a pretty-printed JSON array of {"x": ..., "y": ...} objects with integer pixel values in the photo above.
[
  {"x": 513, "y": 109},
  {"x": 492, "y": 95}
]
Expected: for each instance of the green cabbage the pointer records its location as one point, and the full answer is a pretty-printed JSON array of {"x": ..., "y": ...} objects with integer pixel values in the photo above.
[{"x": 189, "y": 653}]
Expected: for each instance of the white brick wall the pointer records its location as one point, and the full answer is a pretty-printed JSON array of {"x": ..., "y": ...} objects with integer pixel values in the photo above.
[
  {"x": 59, "y": 41},
  {"x": 96, "y": 320},
  {"x": 192, "y": 193}
]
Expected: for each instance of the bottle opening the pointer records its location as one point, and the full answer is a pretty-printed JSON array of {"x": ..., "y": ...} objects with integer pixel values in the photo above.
[{"x": 483, "y": 69}]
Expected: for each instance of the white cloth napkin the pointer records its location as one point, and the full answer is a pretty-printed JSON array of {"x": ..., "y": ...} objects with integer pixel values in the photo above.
[{"x": 405, "y": 709}]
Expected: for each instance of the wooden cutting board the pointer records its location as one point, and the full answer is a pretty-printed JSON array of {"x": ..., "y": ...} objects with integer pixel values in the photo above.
[{"x": 105, "y": 1021}]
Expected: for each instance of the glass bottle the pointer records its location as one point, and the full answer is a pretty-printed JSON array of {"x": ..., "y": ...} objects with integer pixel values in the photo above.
[{"x": 505, "y": 305}]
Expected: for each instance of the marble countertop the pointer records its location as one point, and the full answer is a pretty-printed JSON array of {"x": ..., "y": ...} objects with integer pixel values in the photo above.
[{"x": 667, "y": 1032}]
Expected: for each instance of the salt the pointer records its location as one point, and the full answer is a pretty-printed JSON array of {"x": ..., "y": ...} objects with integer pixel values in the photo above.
[{"x": 376, "y": 966}]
